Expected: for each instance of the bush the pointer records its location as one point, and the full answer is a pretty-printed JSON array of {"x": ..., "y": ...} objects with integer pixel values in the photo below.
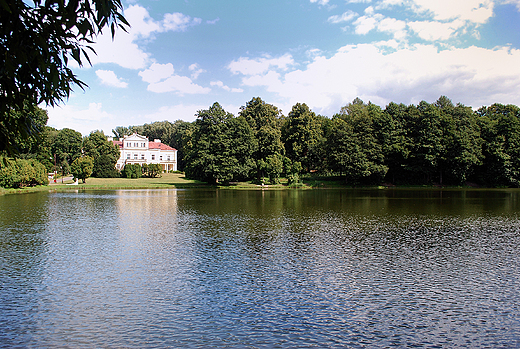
[
  {"x": 18, "y": 173},
  {"x": 152, "y": 170},
  {"x": 82, "y": 168},
  {"x": 132, "y": 171}
]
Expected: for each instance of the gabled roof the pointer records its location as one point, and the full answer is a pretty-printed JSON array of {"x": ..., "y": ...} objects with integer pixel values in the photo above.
[{"x": 135, "y": 137}]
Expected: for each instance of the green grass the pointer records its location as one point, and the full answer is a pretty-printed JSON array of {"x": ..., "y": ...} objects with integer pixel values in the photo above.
[{"x": 166, "y": 180}]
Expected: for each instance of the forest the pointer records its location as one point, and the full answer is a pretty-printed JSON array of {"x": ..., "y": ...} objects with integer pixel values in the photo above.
[{"x": 438, "y": 143}]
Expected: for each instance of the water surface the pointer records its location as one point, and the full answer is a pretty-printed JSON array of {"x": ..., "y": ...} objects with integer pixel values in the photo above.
[{"x": 260, "y": 269}]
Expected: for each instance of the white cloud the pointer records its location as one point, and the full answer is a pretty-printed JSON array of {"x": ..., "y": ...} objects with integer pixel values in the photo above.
[
  {"x": 179, "y": 84},
  {"x": 364, "y": 24},
  {"x": 395, "y": 27},
  {"x": 320, "y": 2},
  {"x": 108, "y": 77},
  {"x": 476, "y": 11},
  {"x": 473, "y": 76},
  {"x": 226, "y": 88},
  {"x": 161, "y": 79},
  {"x": 157, "y": 72},
  {"x": 195, "y": 70},
  {"x": 432, "y": 30},
  {"x": 178, "y": 22},
  {"x": 514, "y": 2},
  {"x": 124, "y": 50},
  {"x": 345, "y": 17},
  {"x": 82, "y": 120},
  {"x": 260, "y": 65}
]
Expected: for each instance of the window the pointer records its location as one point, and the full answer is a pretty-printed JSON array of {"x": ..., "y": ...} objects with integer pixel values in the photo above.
[
  {"x": 160, "y": 157},
  {"x": 153, "y": 157},
  {"x": 135, "y": 156},
  {"x": 168, "y": 158},
  {"x": 142, "y": 156},
  {"x": 143, "y": 145},
  {"x": 135, "y": 145},
  {"x": 128, "y": 145},
  {"x": 128, "y": 156}
]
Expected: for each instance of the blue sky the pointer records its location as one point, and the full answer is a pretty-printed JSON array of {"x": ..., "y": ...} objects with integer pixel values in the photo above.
[{"x": 182, "y": 56}]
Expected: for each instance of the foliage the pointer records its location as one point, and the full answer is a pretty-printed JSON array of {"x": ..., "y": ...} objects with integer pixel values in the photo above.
[
  {"x": 67, "y": 145},
  {"x": 264, "y": 119},
  {"x": 151, "y": 170},
  {"x": 37, "y": 42},
  {"x": 301, "y": 135},
  {"x": 104, "y": 153},
  {"x": 18, "y": 173},
  {"x": 82, "y": 167},
  {"x": 132, "y": 171},
  {"x": 428, "y": 143},
  {"x": 356, "y": 150},
  {"x": 220, "y": 147}
]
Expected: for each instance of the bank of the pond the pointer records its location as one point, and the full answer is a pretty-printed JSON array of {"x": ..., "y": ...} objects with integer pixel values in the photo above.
[{"x": 178, "y": 180}]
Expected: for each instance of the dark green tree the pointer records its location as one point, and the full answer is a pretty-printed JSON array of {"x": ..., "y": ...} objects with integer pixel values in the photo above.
[
  {"x": 67, "y": 145},
  {"x": 265, "y": 119},
  {"x": 301, "y": 136},
  {"x": 367, "y": 159},
  {"x": 427, "y": 141},
  {"x": 500, "y": 130},
  {"x": 462, "y": 143},
  {"x": 37, "y": 41},
  {"x": 104, "y": 153},
  {"x": 220, "y": 147},
  {"x": 390, "y": 127}
]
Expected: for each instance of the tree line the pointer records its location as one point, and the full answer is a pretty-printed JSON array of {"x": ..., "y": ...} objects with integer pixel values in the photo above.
[
  {"x": 428, "y": 143},
  {"x": 364, "y": 144}
]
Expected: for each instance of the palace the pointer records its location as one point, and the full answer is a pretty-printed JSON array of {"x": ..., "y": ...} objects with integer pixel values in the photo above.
[{"x": 137, "y": 149}]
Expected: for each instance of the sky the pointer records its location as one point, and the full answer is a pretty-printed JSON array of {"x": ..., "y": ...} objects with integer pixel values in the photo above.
[{"x": 181, "y": 56}]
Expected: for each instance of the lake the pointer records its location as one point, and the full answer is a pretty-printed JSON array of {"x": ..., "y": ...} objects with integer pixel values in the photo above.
[{"x": 215, "y": 268}]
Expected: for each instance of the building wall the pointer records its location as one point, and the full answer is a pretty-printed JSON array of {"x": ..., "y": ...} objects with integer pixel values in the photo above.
[{"x": 136, "y": 149}]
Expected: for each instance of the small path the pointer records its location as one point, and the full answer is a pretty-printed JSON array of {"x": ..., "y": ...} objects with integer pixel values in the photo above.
[{"x": 62, "y": 180}]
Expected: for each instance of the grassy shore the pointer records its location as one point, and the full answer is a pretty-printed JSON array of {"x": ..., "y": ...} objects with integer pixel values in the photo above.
[
  {"x": 178, "y": 180},
  {"x": 166, "y": 181}
]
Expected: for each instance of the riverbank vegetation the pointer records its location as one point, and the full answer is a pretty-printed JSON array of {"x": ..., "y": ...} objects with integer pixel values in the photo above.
[{"x": 438, "y": 143}]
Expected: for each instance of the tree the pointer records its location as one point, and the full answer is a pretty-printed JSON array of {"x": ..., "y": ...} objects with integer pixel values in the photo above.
[
  {"x": 37, "y": 42},
  {"x": 500, "y": 129},
  {"x": 301, "y": 133},
  {"x": 427, "y": 138},
  {"x": 104, "y": 153},
  {"x": 391, "y": 130},
  {"x": 67, "y": 145},
  {"x": 462, "y": 143},
  {"x": 366, "y": 159},
  {"x": 220, "y": 147},
  {"x": 82, "y": 167},
  {"x": 18, "y": 173},
  {"x": 264, "y": 119},
  {"x": 18, "y": 142}
]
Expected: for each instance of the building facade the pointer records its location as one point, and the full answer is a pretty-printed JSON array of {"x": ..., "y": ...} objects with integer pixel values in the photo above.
[{"x": 137, "y": 149}]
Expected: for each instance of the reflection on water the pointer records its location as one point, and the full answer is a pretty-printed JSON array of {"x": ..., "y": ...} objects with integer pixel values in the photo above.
[{"x": 224, "y": 268}]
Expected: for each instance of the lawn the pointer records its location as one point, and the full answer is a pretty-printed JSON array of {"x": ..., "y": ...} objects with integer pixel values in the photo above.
[{"x": 167, "y": 180}]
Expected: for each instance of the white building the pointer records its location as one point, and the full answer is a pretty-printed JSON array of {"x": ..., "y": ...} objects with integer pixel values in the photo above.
[{"x": 136, "y": 149}]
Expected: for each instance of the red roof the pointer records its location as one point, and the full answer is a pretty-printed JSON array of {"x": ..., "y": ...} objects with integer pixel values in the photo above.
[
  {"x": 151, "y": 145},
  {"x": 161, "y": 146}
]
